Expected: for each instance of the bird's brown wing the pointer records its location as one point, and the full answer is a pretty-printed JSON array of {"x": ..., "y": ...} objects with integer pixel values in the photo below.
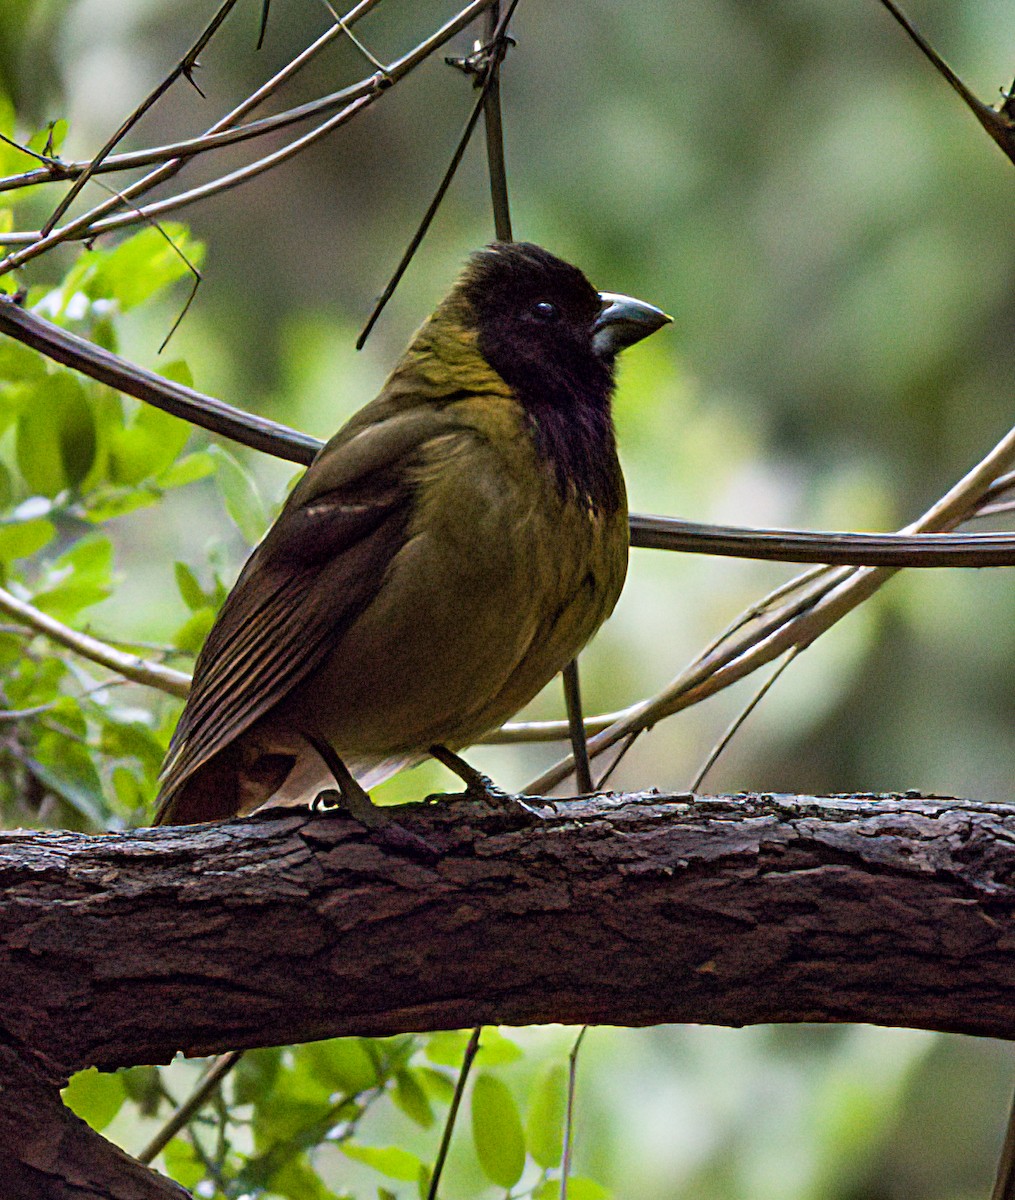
[{"x": 320, "y": 565}]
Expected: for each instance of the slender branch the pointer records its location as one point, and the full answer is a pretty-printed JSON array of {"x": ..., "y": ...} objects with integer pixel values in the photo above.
[
  {"x": 819, "y": 605},
  {"x": 572, "y": 1084},
  {"x": 204, "y": 411},
  {"x": 735, "y": 725},
  {"x": 421, "y": 230},
  {"x": 488, "y": 78},
  {"x": 997, "y": 122},
  {"x": 456, "y": 1100},
  {"x": 184, "y": 67},
  {"x": 211, "y": 1081},
  {"x": 494, "y": 126},
  {"x": 845, "y": 549},
  {"x": 57, "y": 171},
  {"x": 647, "y": 531},
  {"x": 95, "y": 221},
  {"x": 224, "y": 132},
  {"x": 130, "y": 666},
  {"x": 576, "y": 728}
]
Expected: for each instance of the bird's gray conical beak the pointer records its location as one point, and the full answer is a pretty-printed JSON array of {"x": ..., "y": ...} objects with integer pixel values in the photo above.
[{"x": 622, "y": 321}]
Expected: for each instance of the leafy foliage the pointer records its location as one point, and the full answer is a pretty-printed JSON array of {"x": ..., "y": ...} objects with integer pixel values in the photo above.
[{"x": 77, "y": 747}]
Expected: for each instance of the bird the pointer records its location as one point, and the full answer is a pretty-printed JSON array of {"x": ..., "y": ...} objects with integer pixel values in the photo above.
[{"x": 446, "y": 553}]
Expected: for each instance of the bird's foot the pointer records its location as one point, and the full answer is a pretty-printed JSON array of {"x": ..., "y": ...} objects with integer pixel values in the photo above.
[
  {"x": 385, "y": 829},
  {"x": 479, "y": 786},
  {"x": 353, "y": 800}
]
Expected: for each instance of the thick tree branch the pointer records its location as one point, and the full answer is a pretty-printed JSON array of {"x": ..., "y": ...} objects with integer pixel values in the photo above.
[
  {"x": 629, "y": 910},
  {"x": 46, "y": 1153},
  {"x": 124, "y": 948}
]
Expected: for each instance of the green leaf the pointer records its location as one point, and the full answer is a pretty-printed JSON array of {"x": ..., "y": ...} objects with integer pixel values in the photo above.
[
  {"x": 107, "y": 503},
  {"x": 255, "y": 1074},
  {"x": 131, "y": 739},
  {"x": 19, "y": 364},
  {"x": 89, "y": 558},
  {"x": 495, "y": 1049},
  {"x": 281, "y": 1117},
  {"x": 242, "y": 500},
  {"x": 66, "y": 600},
  {"x": 143, "y": 1085},
  {"x": 423, "y": 1181},
  {"x": 12, "y": 160},
  {"x": 544, "y": 1127},
  {"x": 497, "y": 1131},
  {"x": 179, "y": 372},
  {"x": 49, "y": 140},
  {"x": 182, "y": 1163},
  {"x": 20, "y": 539},
  {"x": 84, "y": 799},
  {"x": 341, "y": 1064},
  {"x": 127, "y": 790},
  {"x": 391, "y": 1161},
  {"x": 81, "y": 576},
  {"x": 146, "y": 446},
  {"x": 440, "y": 1086},
  {"x": 56, "y": 436},
  {"x": 35, "y": 682},
  {"x": 411, "y": 1099},
  {"x": 191, "y": 634},
  {"x": 94, "y": 1096},
  {"x": 190, "y": 589},
  {"x": 582, "y": 1188},
  {"x": 447, "y": 1047},
  {"x": 298, "y": 1180},
  {"x": 188, "y": 469}
]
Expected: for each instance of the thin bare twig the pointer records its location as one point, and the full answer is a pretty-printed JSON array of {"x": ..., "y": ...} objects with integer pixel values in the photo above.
[
  {"x": 997, "y": 122},
  {"x": 572, "y": 1079},
  {"x": 130, "y": 666},
  {"x": 95, "y": 221},
  {"x": 191, "y": 267},
  {"x": 184, "y": 68},
  {"x": 494, "y": 126},
  {"x": 456, "y": 1100},
  {"x": 190, "y": 1107},
  {"x": 736, "y": 724},
  {"x": 576, "y": 728},
  {"x": 820, "y": 605},
  {"x": 495, "y": 51}
]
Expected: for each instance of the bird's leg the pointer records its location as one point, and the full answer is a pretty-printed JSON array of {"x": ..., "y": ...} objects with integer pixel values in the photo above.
[
  {"x": 477, "y": 785},
  {"x": 355, "y": 800},
  {"x": 357, "y": 803}
]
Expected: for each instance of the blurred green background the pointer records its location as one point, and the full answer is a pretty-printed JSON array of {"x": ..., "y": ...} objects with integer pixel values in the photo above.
[{"x": 835, "y": 238}]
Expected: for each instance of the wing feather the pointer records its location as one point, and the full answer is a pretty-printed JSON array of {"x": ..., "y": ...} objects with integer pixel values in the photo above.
[{"x": 319, "y": 566}]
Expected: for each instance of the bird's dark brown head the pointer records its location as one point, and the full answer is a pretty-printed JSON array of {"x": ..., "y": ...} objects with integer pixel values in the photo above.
[
  {"x": 535, "y": 314},
  {"x": 539, "y": 324}
]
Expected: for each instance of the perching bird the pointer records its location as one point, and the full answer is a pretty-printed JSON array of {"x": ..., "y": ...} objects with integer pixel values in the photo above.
[{"x": 447, "y": 553}]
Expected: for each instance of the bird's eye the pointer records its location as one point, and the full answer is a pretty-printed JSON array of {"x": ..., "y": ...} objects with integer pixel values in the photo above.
[{"x": 545, "y": 311}]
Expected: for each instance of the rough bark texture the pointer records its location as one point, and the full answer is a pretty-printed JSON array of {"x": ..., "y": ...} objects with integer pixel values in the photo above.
[{"x": 628, "y": 910}]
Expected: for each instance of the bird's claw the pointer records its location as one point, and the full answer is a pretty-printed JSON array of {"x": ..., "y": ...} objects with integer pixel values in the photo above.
[{"x": 387, "y": 830}]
